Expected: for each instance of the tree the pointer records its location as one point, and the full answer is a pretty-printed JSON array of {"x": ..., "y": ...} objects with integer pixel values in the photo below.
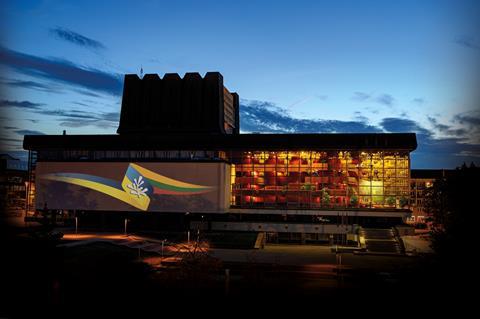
[
  {"x": 453, "y": 202},
  {"x": 325, "y": 197}
]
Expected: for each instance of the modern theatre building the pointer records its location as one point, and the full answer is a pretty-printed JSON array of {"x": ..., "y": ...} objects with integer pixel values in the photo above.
[{"x": 178, "y": 153}]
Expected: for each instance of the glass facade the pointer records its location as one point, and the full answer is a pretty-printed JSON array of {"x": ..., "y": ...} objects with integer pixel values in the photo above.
[{"x": 320, "y": 179}]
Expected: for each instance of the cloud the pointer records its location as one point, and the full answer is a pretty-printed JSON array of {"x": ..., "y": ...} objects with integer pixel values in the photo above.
[
  {"x": 80, "y": 103},
  {"x": 76, "y": 114},
  {"x": 471, "y": 122},
  {"x": 76, "y": 38},
  {"x": 360, "y": 96},
  {"x": 402, "y": 125},
  {"x": 9, "y": 139},
  {"x": 448, "y": 152},
  {"x": 446, "y": 129},
  {"x": 61, "y": 70},
  {"x": 432, "y": 151},
  {"x": 88, "y": 93},
  {"x": 77, "y": 118},
  {"x": 29, "y": 132},
  {"x": 258, "y": 116},
  {"x": 360, "y": 117},
  {"x": 467, "y": 42},
  {"x": 29, "y": 85},
  {"x": 385, "y": 99},
  {"x": 418, "y": 100},
  {"x": 469, "y": 118},
  {"x": 20, "y": 104}
]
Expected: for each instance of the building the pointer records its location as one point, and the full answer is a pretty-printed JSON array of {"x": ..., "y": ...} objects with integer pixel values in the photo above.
[
  {"x": 13, "y": 184},
  {"x": 179, "y": 153},
  {"x": 188, "y": 105},
  {"x": 420, "y": 181}
]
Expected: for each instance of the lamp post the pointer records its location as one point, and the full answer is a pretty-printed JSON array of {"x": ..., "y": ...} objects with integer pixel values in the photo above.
[
  {"x": 187, "y": 222},
  {"x": 26, "y": 200},
  {"x": 163, "y": 242},
  {"x": 125, "y": 230}
]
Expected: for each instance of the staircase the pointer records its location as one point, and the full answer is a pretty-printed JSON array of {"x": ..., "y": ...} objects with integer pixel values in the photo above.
[
  {"x": 381, "y": 240},
  {"x": 260, "y": 242}
]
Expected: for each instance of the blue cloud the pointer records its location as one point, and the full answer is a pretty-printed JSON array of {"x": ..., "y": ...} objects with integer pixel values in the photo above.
[
  {"x": 470, "y": 119},
  {"x": 385, "y": 99},
  {"x": 258, "y": 116},
  {"x": 446, "y": 129},
  {"x": 402, "y": 125},
  {"x": 29, "y": 132},
  {"x": 29, "y": 85},
  {"x": 76, "y": 38},
  {"x": 360, "y": 96},
  {"x": 77, "y": 118},
  {"x": 20, "y": 104},
  {"x": 61, "y": 70},
  {"x": 467, "y": 42},
  {"x": 435, "y": 152}
]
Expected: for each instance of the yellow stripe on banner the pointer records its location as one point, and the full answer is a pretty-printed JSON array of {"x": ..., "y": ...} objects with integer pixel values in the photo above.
[
  {"x": 165, "y": 180},
  {"x": 141, "y": 202}
]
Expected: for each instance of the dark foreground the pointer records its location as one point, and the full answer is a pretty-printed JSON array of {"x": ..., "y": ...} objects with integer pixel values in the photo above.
[{"x": 40, "y": 278}]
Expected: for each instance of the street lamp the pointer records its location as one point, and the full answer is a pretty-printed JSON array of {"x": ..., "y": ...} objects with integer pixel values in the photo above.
[
  {"x": 163, "y": 242},
  {"x": 188, "y": 228},
  {"x": 126, "y": 222},
  {"x": 26, "y": 199}
]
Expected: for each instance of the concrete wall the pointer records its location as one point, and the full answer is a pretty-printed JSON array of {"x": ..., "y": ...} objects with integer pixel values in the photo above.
[{"x": 281, "y": 227}]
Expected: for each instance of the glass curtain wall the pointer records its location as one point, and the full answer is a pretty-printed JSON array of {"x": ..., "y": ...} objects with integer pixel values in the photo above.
[{"x": 320, "y": 179}]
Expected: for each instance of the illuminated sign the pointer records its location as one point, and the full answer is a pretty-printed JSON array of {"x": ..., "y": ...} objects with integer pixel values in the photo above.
[{"x": 136, "y": 188}]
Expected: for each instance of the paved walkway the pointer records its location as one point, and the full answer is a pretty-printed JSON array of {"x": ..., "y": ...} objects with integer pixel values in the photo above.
[
  {"x": 417, "y": 244},
  {"x": 310, "y": 256}
]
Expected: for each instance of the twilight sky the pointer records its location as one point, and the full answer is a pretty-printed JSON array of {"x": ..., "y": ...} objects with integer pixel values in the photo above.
[{"x": 298, "y": 66}]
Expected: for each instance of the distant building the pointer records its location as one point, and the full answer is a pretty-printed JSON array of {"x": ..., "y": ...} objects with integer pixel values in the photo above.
[
  {"x": 13, "y": 178},
  {"x": 179, "y": 152},
  {"x": 421, "y": 180}
]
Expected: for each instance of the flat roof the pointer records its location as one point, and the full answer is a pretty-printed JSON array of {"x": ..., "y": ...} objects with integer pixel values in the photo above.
[{"x": 327, "y": 141}]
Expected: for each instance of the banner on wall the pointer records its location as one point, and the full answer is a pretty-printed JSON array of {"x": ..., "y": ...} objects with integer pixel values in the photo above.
[{"x": 172, "y": 187}]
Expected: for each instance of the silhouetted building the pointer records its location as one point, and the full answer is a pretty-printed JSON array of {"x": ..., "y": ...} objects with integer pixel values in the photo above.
[
  {"x": 174, "y": 105},
  {"x": 179, "y": 151},
  {"x": 13, "y": 177}
]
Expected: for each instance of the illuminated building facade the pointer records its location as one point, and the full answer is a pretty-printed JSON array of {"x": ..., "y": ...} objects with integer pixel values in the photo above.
[
  {"x": 307, "y": 187},
  {"x": 320, "y": 179},
  {"x": 421, "y": 180}
]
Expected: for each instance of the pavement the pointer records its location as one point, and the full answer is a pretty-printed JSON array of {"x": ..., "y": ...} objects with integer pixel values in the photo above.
[
  {"x": 309, "y": 256},
  {"x": 417, "y": 244}
]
